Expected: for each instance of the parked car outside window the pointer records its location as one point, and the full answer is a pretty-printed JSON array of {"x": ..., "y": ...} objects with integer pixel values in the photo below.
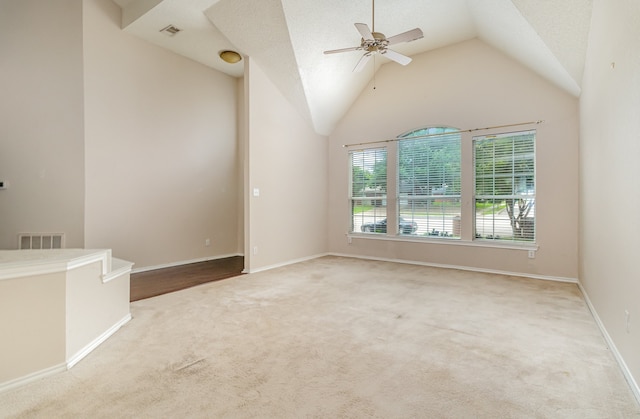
[{"x": 404, "y": 226}]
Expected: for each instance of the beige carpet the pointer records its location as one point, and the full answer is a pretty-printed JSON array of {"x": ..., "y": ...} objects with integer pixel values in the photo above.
[{"x": 346, "y": 338}]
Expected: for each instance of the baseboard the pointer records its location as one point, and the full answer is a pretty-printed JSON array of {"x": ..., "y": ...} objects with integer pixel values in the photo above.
[
  {"x": 21, "y": 381},
  {"x": 183, "y": 262},
  {"x": 616, "y": 354},
  {"x": 97, "y": 341},
  {"x": 459, "y": 267},
  {"x": 279, "y": 265},
  {"x": 413, "y": 262}
]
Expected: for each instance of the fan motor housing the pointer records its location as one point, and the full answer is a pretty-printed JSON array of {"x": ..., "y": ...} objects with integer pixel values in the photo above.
[{"x": 379, "y": 42}]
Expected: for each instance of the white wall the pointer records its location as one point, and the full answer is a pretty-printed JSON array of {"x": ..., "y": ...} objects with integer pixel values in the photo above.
[
  {"x": 468, "y": 85},
  {"x": 609, "y": 173},
  {"x": 41, "y": 120},
  {"x": 93, "y": 308},
  {"x": 287, "y": 162},
  {"x": 161, "y": 148}
]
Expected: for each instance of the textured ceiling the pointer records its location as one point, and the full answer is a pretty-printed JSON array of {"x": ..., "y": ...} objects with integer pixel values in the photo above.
[{"x": 286, "y": 39}]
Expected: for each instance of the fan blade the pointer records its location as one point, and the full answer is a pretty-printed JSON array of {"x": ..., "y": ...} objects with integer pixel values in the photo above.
[
  {"x": 396, "y": 56},
  {"x": 335, "y": 51},
  {"x": 407, "y": 36},
  {"x": 363, "y": 61},
  {"x": 363, "y": 28}
]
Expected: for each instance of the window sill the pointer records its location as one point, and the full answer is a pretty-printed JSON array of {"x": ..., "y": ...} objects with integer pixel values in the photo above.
[{"x": 445, "y": 241}]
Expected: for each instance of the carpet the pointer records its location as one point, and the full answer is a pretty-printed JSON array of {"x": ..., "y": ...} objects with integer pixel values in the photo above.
[{"x": 346, "y": 338}]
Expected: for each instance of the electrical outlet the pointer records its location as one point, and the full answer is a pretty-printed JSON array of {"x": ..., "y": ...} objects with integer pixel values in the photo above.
[
  {"x": 207, "y": 242},
  {"x": 255, "y": 250},
  {"x": 532, "y": 254}
]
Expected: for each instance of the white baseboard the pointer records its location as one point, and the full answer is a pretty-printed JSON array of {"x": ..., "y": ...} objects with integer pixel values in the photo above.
[
  {"x": 459, "y": 267},
  {"x": 20, "y": 381},
  {"x": 183, "y": 262},
  {"x": 77, "y": 357},
  {"x": 623, "y": 365},
  {"x": 37, "y": 375},
  {"x": 279, "y": 265}
]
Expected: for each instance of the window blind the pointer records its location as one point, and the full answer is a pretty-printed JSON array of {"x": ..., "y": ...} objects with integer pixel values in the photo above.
[
  {"x": 505, "y": 186},
  {"x": 429, "y": 182},
  {"x": 368, "y": 195}
]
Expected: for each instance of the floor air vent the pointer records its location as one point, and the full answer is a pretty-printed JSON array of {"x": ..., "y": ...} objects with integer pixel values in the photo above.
[{"x": 41, "y": 241}]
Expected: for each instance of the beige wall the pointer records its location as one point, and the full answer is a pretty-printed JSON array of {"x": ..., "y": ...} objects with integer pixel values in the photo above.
[
  {"x": 287, "y": 162},
  {"x": 609, "y": 191},
  {"x": 56, "y": 306},
  {"x": 41, "y": 120},
  {"x": 468, "y": 85},
  {"x": 33, "y": 328},
  {"x": 161, "y": 149}
]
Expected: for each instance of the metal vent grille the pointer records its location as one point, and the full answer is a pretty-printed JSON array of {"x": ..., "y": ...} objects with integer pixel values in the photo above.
[
  {"x": 41, "y": 241},
  {"x": 170, "y": 30}
]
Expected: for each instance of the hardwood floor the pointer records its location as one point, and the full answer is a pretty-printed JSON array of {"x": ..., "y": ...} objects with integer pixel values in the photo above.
[{"x": 161, "y": 281}]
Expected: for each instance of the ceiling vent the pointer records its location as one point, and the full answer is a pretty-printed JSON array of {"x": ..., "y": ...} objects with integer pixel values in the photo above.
[{"x": 170, "y": 30}]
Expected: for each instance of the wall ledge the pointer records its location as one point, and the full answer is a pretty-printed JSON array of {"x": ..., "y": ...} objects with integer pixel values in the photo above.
[
  {"x": 88, "y": 307},
  {"x": 119, "y": 267},
  {"x": 21, "y": 263}
]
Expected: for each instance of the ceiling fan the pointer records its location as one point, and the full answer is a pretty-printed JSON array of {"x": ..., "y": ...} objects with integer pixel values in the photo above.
[{"x": 373, "y": 42}]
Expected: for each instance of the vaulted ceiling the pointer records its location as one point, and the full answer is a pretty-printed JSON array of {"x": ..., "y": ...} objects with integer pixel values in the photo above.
[{"x": 286, "y": 38}]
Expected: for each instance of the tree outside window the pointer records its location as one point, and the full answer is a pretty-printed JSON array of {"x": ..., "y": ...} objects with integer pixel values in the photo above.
[
  {"x": 368, "y": 193},
  {"x": 505, "y": 186}
]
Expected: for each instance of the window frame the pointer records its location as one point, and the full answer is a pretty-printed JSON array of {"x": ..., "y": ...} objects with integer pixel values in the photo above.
[
  {"x": 524, "y": 226},
  {"x": 375, "y": 199},
  {"x": 467, "y": 195},
  {"x": 434, "y": 226}
]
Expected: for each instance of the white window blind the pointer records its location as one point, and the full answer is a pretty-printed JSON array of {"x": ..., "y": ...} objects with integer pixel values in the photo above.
[
  {"x": 429, "y": 182},
  {"x": 368, "y": 195},
  {"x": 505, "y": 186}
]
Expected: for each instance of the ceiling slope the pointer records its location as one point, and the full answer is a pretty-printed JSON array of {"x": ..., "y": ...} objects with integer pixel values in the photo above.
[
  {"x": 198, "y": 39},
  {"x": 500, "y": 24},
  {"x": 286, "y": 38},
  {"x": 563, "y": 26},
  {"x": 259, "y": 29},
  {"x": 316, "y": 26}
]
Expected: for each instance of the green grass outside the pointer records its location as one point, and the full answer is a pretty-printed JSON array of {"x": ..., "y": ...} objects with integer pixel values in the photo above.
[
  {"x": 362, "y": 208},
  {"x": 489, "y": 208},
  {"x": 484, "y": 208}
]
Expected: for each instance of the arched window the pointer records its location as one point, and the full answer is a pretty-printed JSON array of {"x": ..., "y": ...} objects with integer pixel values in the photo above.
[
  {"x": 429, "y": 182},
  {"x": 426, "y": 195}
]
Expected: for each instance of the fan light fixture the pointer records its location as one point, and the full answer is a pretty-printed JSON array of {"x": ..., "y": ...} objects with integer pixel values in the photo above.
[
  {"x": 230, "y": 57},
  {"x": 373, "y": 42}
]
